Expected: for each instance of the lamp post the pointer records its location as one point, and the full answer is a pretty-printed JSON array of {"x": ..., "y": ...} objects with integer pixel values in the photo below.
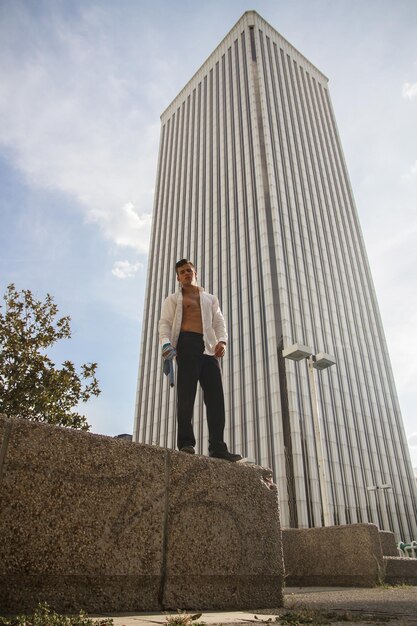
[
  {"x": 320, "y": 361},
  {"x": 378, "y": 499}
]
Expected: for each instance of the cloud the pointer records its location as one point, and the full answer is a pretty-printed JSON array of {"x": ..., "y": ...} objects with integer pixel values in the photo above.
[
  {"x": 125, "y": 269},
  {"x": 412, "y": 440},
  {"x": 126, "y": 227},
  {"x": 76, "y": 119},
  {"x": 411, "y": 173},
  {"x": 410, "y": 90}
]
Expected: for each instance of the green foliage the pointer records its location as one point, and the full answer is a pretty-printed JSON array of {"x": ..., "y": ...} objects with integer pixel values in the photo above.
[
  {"x": 295, "y": 618},
  {"x": 30, "y": 385},
  {"x": 44, "y": 616}
]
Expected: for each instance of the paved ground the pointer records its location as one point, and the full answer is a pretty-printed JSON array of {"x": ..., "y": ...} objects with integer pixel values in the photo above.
[{"x": 393, "y": 606}]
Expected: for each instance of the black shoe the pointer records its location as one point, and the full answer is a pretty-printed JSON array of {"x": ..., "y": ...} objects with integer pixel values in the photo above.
[
  {"x": 188, "y": 449},
  {"x": 226, "y": 455}
]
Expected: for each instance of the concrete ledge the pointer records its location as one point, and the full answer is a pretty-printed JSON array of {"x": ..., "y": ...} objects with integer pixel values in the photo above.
[
  {"x": 333, "y": 556},
  {"x": 102, "y": 524},
  {"x": 400, "y": 570},
  {"x": 388, "y": 543}
]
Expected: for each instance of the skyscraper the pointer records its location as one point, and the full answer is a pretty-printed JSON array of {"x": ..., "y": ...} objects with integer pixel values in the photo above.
[{"x": 253, "y": 187}]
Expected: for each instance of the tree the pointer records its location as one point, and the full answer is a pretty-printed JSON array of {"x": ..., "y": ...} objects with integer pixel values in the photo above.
[{"x": 30, "y": 384}]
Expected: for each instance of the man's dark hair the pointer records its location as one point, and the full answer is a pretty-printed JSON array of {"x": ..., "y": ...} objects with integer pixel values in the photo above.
[{"x": 183, "y": 262}]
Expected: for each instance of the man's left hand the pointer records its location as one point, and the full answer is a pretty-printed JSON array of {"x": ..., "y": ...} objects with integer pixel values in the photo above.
[{"x": 220, "y": 349}]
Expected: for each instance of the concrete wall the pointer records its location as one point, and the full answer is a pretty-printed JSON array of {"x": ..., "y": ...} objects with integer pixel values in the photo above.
[
  {"x": 388, "y": 543},
  {"x": 400, "y": 571},
  {"x": 333, "y": 556},
  {"x": 91, "y": 522}
]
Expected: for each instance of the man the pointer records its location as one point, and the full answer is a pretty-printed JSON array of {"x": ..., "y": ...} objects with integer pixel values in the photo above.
[{"x": 192, "y": 329}]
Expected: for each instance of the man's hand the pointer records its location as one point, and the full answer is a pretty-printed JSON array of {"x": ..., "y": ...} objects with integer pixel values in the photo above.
[
  {"x": 220, "y": 349},
  {"x": 168, "y": 352}
]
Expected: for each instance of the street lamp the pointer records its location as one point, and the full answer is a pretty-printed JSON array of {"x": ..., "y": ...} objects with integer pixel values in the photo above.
[
  {"x": 379, "y": 499},
  {"x": 320, "y": 361},
  {"x": 377, "y": 487}
]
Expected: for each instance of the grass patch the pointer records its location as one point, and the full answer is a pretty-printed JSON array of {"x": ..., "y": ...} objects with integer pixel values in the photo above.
[
  {"x": 43, "y": 615},
  {"x": 181, "y": 618},
  {"x": 318, "y": 617},
  {"x": 313, "y": 617},
  {"x": 394, "y": 585}
]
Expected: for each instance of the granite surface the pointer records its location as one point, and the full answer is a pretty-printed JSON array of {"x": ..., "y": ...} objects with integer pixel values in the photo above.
[
  {"x": 223, "y": 535},
  {"x": 400, "y": 570},
  {"x": 388, "y": 543},
  {"x": 348, "y": 555},
  {"x": 103, "y": 524}
]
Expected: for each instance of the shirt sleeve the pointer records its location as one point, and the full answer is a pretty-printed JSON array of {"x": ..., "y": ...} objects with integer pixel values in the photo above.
[
  {"x": 219, "y": 325},
  {"x": 166, "y": 320}
]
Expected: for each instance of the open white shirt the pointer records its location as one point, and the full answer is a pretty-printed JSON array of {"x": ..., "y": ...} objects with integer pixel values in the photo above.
[{"x": 214, "y": 327}]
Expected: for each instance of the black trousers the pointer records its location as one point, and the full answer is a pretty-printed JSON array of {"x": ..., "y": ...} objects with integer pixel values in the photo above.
[{"x": 193, "y": 366}]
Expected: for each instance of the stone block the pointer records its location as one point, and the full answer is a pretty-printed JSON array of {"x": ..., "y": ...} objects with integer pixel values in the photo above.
[
  {"x": 224, "y": 540},
  {"x": 348, "y": 555},
  {"x": 400, "y": 570},
  {"x": 103, "y": 524},
  {"x": 81, "y": 519},
  {"x": 388, "y": 543}
]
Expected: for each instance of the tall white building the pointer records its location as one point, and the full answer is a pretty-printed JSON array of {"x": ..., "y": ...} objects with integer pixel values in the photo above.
[{"x": 252, "y": 186}]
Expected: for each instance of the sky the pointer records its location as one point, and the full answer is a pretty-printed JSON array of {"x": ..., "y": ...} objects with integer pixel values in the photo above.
[{"x": 82, "y": 86}]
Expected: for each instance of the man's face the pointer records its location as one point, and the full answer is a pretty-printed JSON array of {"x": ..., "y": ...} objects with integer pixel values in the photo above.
[{"x": 186, "y": 275}]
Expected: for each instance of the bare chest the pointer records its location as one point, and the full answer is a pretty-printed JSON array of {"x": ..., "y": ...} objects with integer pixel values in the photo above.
[
  {"x": 191, "y": 301},
  {"x": 191, "y": 313}
]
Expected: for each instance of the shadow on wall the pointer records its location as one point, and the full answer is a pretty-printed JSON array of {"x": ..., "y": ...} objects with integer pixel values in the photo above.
[{"x": 104, "y": 524}]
